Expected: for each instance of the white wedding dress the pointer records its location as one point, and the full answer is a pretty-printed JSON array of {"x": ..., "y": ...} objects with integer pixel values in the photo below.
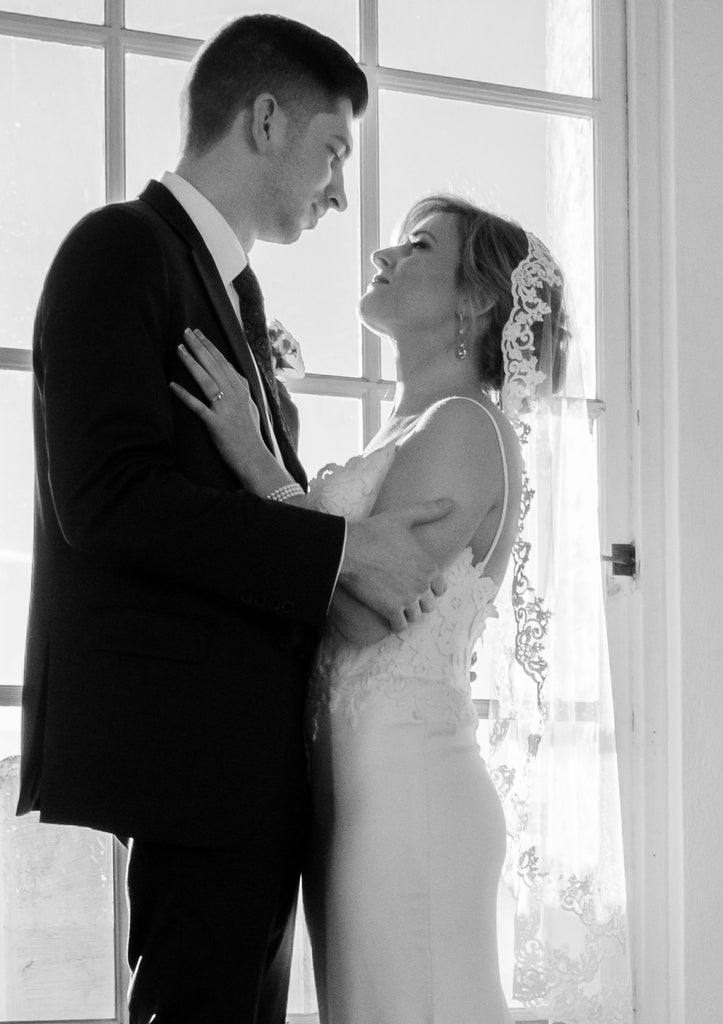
[{"x": 408, "y": 833}]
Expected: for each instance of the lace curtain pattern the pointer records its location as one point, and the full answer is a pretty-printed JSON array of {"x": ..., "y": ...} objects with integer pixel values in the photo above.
[{"x": 552, "y": 742}]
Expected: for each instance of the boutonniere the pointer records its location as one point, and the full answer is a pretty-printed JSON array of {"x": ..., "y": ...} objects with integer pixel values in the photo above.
[{"x": 285, "y": 352}]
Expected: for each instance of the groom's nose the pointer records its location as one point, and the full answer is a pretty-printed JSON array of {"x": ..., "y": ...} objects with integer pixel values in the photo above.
[{"x": 336, "y": 193}]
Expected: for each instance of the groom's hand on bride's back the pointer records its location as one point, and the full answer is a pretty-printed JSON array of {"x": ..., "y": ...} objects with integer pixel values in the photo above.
[{"x": 386, "y": 569}]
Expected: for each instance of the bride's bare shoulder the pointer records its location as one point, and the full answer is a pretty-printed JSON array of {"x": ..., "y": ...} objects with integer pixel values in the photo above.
[
  {"x": 461, "y": 418},
  {"x": 452, "y": 449}
]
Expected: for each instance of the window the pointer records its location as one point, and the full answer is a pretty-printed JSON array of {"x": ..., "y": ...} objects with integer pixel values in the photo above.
[{"x": 503, "y": 101}]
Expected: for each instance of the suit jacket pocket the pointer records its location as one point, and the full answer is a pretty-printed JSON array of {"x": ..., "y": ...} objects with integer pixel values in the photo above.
[{"x": 148, "y": 634}]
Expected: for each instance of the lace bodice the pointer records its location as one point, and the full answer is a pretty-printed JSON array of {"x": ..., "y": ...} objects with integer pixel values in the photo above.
[{"x": 428, "y": 664}]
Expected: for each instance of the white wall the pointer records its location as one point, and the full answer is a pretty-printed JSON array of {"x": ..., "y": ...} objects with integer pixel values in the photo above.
[
  {"x": 676, "y": 84},
  {"x": 698, "y": 180}
]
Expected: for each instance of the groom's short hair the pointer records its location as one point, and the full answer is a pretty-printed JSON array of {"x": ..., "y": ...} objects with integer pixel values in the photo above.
[{"x": 265, "y": 53}]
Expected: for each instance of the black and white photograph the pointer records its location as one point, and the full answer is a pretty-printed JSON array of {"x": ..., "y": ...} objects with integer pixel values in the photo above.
[{"x": 360, "y": 481}]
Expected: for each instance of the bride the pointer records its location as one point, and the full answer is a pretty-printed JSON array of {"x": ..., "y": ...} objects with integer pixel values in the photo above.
[{"x": 408, "y": 834}]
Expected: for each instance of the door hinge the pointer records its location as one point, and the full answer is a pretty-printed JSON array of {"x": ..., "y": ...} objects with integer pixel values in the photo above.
[{"x": 623, "y": 560}]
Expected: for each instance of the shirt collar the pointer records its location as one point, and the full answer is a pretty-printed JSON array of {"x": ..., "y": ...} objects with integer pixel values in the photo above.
[{"x": 214, "y": 229}]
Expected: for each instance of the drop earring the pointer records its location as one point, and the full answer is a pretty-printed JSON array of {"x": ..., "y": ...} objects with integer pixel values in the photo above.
[{"x": 461, "y": 349}]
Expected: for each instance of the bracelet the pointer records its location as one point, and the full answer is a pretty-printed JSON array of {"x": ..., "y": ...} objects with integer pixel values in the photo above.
[{"x": 287, "y": 491}]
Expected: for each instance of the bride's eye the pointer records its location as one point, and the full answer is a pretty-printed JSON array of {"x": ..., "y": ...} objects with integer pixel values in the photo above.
[{"x": 418, "y": 243}]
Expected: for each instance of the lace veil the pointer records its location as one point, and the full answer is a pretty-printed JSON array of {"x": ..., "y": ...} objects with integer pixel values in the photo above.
[{"x": 551, "y": 742}]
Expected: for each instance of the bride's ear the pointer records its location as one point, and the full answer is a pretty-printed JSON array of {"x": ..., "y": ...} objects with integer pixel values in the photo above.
[
  {"x": 472, "y": 313},
  {"x": 482, "y": 307}
]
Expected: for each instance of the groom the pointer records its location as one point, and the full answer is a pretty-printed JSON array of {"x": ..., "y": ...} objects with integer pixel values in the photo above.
[{"x": 173, "y": 614}]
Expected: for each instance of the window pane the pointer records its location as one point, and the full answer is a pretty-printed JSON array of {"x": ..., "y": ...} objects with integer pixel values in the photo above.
[
  {"x": 52, "y": 171},
  {"x": 535, "y": 168},
  {"x": 56, "y": 913},
  {"x": 313, "y": 287},
  {"x": 16, "y": 520},
  {"x": 91, "y": 11},
  {"x": 153, "y": 87},
  {"x": 526, "y": 43},
  {"x": 331, "y": 430},
  {"x": 335, "y": 18}
]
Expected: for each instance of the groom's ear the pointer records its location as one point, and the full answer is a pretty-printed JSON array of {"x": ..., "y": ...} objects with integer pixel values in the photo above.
[{"x": 268, "y": 123}]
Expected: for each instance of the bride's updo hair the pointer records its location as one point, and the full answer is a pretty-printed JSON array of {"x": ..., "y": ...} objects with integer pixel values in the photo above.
[{"x": 490, "y": 248}]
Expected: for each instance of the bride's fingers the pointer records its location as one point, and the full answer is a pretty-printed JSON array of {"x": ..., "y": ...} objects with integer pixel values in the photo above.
[
  {"x": 209, "y": 383},
  {"x": 223, "y": 372},
  {"x": 218, "y": 356},
  {"x": 193, "y": 403},
  {"x": 207, "y": 355}
]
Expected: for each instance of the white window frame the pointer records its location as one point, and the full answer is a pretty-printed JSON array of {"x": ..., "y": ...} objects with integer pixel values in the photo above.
[{"x": 607, "y": 111}]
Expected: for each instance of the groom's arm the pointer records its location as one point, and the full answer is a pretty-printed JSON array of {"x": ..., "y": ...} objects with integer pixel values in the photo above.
[{"x": 102, "y": 358}]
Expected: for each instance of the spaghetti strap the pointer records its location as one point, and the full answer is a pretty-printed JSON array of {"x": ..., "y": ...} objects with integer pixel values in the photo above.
[{"x": 506, "y": 475}]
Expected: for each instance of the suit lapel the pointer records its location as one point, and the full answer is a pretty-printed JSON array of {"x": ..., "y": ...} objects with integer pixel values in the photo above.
[
  {"x": 246, "y": 363},
  {"x": 234, "y": 333},
  {"x": 157, "y": 196}
]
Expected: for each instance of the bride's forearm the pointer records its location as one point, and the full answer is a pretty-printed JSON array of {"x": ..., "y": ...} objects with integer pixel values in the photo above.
[{"x": 263, "y": 474}]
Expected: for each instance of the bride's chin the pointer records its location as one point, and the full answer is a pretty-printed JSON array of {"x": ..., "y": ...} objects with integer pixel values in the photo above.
[{"x": 369, "y": 317}]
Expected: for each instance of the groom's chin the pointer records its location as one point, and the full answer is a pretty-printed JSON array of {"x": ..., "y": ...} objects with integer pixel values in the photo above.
[{"x": 284, "y": 235}]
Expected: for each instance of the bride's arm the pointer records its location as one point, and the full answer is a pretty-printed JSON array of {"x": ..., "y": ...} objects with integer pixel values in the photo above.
[
  {"x": 233, "y": 420},
  {"x": 455, "y": 452}
]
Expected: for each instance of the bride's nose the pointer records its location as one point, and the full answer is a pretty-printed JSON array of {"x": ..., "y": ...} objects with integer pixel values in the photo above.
[{"x": 381, "y": 259}]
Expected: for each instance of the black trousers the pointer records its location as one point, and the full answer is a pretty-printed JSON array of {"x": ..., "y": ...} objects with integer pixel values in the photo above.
[{"x": 211, "y": 932}]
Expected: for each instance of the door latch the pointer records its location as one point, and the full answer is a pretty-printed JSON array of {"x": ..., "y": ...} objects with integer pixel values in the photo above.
[{"x": 623, "y": 560}]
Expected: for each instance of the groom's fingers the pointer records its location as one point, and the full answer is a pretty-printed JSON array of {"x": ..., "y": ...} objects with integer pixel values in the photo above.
[
  {"x": 413, "y": 613},
  {"x": 424, "y": 511},
  {"x": 438, "y": 586},
  {"x": 397, "y": 622}
]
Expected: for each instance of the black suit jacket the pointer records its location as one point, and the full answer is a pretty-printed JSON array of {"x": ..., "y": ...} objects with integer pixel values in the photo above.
[{"x": 173, "y": 614}]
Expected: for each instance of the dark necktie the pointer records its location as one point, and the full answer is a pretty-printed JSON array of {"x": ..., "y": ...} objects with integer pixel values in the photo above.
[{"x": 253, "y": 317}]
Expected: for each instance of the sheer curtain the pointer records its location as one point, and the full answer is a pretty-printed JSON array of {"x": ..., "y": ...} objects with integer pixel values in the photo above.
[
  {"x": 552, "y": 741},
  {"x": 552, "y": 747}
]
